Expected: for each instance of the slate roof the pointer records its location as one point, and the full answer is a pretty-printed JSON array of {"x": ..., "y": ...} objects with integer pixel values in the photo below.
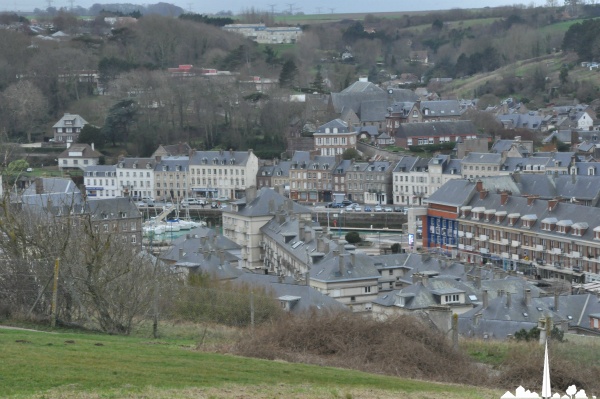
[
  {"x": 441, "y": 108},
  {"x": 77, "y": 121},
  {"x": 356, "y": 266},
  {"x": 100, "y": 170},
  {"x": 59, "y": 191},
  {"x": 455, "y": 192},
  {"x": 576, "y": 309},
  {"x": 434, "y": 129},
  {"x": 239, "y": 157},
  {"x": 521, "y": 121},
  {"x": 483, "y": 158},
  {"x": 177, "y": 149},
  {"x": 336, "y": 123},
  {"x": 172, "y": 163},
  {"x": 308, "y": 298},
  {"x": 141, "y": 163},
  {"x": 290, "y": 229},
  {"x": 373, "y": 110},
  {"x": 358, "y": 92},
  {"x": 112, "y": 207},
  {"x": 266, "y": 203},
  {"x": 370, "y": 130}
]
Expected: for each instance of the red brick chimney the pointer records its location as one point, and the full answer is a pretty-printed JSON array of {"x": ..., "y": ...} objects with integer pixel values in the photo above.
[
  {"x": 552, "y": 204},
  {"x": 503, "y": 198},
  {"x": 479, "y": 186},
  {"x": 483, "y": 194},
  {"x": 531, "y": 198}
]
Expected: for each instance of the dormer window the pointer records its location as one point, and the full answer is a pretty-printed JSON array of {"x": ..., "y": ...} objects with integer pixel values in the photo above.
[
  {"x": 477, "y": 213},
  {"x": 120, "y": 164},
  {"x": 579, "y": 229},
  {"x": 215, "y": 161},
  {"x": 489, "y": 214},
  {"x": 597, "y": 233},
  {"x": 528, "y": 221},
  {"x": 148, "y": 165},
  {"x": 134, "y": 166},
  {"x": 232, "y": 161},
  {"x": 223, "y": 162},
  {"x": 315, "y": 166},
  {"x": 165, "y": 168},
  {"x": 549, "y": 224},
  {"x": 564, "y": 226},
  {"x": 512, "y": 218},
  {"x": 204, "y": 161}
]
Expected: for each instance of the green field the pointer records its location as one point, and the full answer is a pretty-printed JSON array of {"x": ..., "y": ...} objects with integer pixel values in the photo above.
[{"x": 68, "y": 365}]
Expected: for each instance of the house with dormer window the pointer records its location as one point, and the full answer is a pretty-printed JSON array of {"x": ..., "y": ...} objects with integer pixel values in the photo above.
[{"x": 67, "y": 129}]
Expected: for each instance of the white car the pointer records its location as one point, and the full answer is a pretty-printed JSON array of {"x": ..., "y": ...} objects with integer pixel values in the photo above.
[
  {"x": 349, "y": 208},
  {"x": 378, "y": 208},
  {"x": 357, "y": 208},
  {"x": 388, "y": 209}
]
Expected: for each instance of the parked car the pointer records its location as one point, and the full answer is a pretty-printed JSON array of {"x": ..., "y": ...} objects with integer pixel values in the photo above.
[
  {"x": 358, "y": 208},
  {"x": 388, "y": 209},
  {"x": 368, "y": 209},
  {"x": 346, "y": 202},
  {"x": 350, "y": 208},
  {"x": 398, "y": 209},
  {"x": 334, "y": 205},
  {"x": 378, "y": 208}
]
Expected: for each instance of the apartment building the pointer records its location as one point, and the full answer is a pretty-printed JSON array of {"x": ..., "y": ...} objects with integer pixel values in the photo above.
[
  {"x": 171, "y": 178},
  {"x": 222, "y": 174},
  {"x": 334, "y": 137},
  {"x": 548, "y": 238},
  {"x": 101, "y": 181},
  {"x": 135, "y": 177}
]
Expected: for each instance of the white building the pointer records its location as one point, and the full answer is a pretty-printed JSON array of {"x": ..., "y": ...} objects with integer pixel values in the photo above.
[
  {"x": 262, "y": 34},
  {"x": 135, "y": 176},
  {"x": 222, "y": 174},
  {"x": 101, "y": 181},
  {"x": 78, "y": 156}
]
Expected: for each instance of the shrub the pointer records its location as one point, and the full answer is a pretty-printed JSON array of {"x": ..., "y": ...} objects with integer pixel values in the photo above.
[{"x": 353, "y": 237}]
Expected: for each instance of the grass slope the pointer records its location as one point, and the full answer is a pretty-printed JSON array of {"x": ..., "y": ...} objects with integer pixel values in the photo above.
[{"x": 66, "y": 365}]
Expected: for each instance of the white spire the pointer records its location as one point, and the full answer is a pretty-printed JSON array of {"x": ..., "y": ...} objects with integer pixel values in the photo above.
[{"x": 546, "y": 388}]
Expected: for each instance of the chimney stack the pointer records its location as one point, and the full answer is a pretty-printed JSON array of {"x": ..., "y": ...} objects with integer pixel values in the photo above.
[
  {"x": 508, "y": 299},
  {"x": 39, "y": 186},
  {"x": 483, "y": 194},
  {"x": 250, "y": 194},
  {"x": 478, "y": 282},
  {"x": 479, "y": 186},
  {"x": 556, "y": 302},
  {"x": 425, "y": 280},
  {"x": 485, "y": 299},
  {"x": 181, "y": 253},
  {"x": 342, "y": 263},
  {"x": 221, "y": 256},
  {"x": 157, "y": 158},
  {"x": 531, "y": 198},
  {"x": 527, "y": 297},
  {"x": 552, "y": 204},
  {"x": 307, "y": 235},
  {"x": 503, "y": 198},
  {"x": 93, "y": 149},
  {"x": 300, "y": 230}
]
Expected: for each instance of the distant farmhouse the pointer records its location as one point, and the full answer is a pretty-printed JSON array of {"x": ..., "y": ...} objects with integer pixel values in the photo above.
[{"x": 262, "y": 34}]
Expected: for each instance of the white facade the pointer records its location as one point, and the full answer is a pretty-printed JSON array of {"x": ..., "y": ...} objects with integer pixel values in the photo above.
[
  {"x": 101, "y": 182},
  {"x": 135, "y": 177}
]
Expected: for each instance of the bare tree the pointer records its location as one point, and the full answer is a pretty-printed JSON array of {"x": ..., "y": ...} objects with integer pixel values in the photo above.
[{"x": 26, "y": 107}]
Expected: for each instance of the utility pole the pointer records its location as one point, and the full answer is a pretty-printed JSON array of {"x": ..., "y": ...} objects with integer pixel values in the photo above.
[
  {"x": 49, "y": 2},
  {"x": 332, "y": 10},
  {"x": 272, "y": 6},
  {"x": 54, "y": 294},
  {"x": 71, "y": 3},
  {"x": 252, "y": 309},
  {"x": 291, "y": 5}
]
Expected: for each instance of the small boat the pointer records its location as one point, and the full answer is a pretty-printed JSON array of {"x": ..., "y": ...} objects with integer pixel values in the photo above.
[{"x": 173, "y": 225}]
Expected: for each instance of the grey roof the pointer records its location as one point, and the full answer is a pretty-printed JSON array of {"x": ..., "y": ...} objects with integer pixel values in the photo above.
[
  {"x": 113, "y": 208},
  {"x": 302, "y": 297},
  {"x": 227, "y": 157},
  {"x": 522, "y": 121},
  {"x": 546, "y": 186},
  {"x": 370, "y": 130},
  {"x": 405, "y": 164},
  {"x": 576, "y": 309},
  {"x": 177, "y": 149},
  {"x": 355, "y": 266},
  {"x": 76, "y": 121},
  {"x": 335, "y": 124},
  {"x": 170, "y": 164},
  {"x": 282, "y": 168},
  {"x": 267, "y": 202},
  {"x": 441, "y": 108},
  {"x": 561, "y": 135},
  {"x": 373, "y": 110},
  {"x": 358, "y": 92},
  {"x": 100, "y": 170},
  {"x": 455, "y": 192},
  {"x": 140, "y": 163},
  {"x": 445, "y": 128},
  {"x": 483, "y": 157},
  {"x": 58, "y": 191}
]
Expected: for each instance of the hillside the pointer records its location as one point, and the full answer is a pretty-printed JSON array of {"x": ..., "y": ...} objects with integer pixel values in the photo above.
[{"x": 67, "y": 365}]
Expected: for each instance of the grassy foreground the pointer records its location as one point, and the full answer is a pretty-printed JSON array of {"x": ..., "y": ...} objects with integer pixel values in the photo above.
[{"x": 68, "y": 365}]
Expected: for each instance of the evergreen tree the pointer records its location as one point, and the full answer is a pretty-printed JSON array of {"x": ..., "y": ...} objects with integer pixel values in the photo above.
[
  {"x": 288, "y": 74},
  {"x": 317, "y": 84}
]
